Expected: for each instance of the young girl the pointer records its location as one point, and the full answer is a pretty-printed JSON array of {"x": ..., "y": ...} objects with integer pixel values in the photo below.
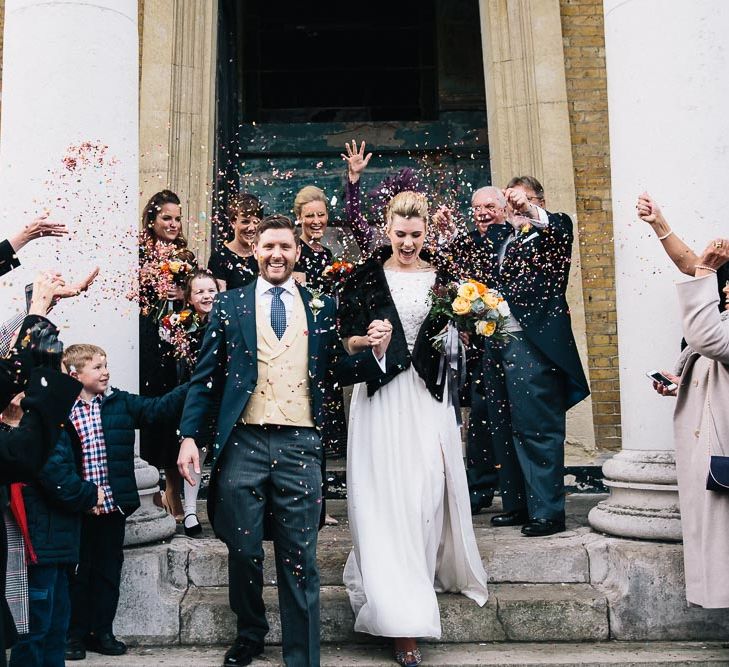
[{"x": 200, "y": 292}]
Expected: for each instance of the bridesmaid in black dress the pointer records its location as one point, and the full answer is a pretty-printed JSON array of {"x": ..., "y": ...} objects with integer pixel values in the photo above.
[
  {"x": 310, "y": 207},
  {"x": 234, "y": 264},
  {"x": 162, "y": 239},
  {"x": 312, "y": 213}
]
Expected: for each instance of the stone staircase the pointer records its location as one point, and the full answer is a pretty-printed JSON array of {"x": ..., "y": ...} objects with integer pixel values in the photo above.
[{"x": 551, "y": 599}]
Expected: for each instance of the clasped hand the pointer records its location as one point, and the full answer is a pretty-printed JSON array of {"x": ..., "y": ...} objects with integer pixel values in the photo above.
[{"x": 379, "y": 334}]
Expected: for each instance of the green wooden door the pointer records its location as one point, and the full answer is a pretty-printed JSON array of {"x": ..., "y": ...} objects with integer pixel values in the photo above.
[{"x": 412, "y": 88}]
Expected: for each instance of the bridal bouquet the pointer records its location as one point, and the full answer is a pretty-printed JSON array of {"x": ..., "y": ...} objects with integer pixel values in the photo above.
[
  {"x": 470, "y": 307},
  {"x": 162, "y": 267},
  {"x": 175, "y": 328}
]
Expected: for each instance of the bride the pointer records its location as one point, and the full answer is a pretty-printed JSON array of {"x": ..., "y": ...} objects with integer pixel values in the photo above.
[{"x": 407, "y": 493}]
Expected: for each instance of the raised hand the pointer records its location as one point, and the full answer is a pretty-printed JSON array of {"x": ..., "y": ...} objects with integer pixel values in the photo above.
[
  {"x": 45, "y": 286},
  {"x": 40, "y": 227},
  {"x": 444, "y": 225},
  {"x": 648, "y": 211},
  {"x": 67, "y": 291},
  {"x": 715, "y": 255},
  {"x": 49, "y": 287},
  {"x": 517, "y": 199},
  {"x": 356, "y": 160}
]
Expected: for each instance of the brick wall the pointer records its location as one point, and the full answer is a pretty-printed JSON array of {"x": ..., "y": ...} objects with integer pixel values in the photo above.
[{"x": 584, "y": 50}]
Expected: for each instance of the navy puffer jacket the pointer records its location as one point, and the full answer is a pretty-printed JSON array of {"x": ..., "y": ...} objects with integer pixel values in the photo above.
[{"x": 121, "y": 414}]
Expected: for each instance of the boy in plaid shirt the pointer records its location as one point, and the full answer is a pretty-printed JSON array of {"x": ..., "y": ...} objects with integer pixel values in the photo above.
[{"x": 102, "y": 422}]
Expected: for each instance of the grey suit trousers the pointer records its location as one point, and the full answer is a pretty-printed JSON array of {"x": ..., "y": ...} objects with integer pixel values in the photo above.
[
  {"x": 525, "y": 395},
  {"x": 273, "y": 474}
]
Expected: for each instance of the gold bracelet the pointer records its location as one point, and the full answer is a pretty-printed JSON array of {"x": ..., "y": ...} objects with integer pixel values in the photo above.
[
  {"x": 703, "y": 266},
  {"x": 665, "y": 236}
]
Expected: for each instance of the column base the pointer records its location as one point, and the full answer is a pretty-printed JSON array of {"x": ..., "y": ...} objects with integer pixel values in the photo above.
[
  {"x": 643, "y": 500},
  {"x": 149, "y": 523}
]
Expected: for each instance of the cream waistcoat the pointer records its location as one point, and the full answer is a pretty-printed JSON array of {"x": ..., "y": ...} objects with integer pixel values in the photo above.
[{"x": 282, "y": 391}]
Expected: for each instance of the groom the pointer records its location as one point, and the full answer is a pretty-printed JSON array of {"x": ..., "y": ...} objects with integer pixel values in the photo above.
[{"x": 269, "y": 355}]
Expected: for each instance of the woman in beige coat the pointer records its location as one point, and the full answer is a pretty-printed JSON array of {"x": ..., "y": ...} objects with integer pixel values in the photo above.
[{"x": 701, "y": 427}]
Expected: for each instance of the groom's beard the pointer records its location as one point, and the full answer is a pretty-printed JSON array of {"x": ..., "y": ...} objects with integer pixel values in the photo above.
[{"x": 278, "y": 277}]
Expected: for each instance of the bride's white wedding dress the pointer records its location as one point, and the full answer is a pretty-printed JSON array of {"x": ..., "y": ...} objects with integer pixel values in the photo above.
[{"x": 407, "y": 495}]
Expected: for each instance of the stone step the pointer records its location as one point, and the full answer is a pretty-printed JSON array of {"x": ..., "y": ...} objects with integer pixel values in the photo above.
[
  {"x": 605, "y": 654},
  {"x": 508, "y": 556},
  {"x": 558, "y": 559},
  {"x": 514, "y": 612}
]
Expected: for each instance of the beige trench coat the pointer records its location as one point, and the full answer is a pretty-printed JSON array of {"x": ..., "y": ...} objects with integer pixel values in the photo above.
[{"x": 701, "y": 422}]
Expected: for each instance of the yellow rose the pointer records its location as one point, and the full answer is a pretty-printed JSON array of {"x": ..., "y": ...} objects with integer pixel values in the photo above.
[
  {"x": 482, "y": 289},
  {"x": 491, "y": 300},
  {"x": 175, "y": 266},
  {"x": 468, "y": 291},
  {"x": 485, "y": 327},
  {"x": 461, "y": 305}
]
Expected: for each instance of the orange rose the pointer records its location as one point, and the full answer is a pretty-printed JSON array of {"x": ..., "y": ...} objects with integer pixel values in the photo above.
[{"x": 482, "y": 289}]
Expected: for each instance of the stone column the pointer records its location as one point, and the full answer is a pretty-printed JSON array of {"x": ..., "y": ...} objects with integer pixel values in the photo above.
[
  {"x": 177, "y": 109},
  {"x": 69, "y": 145},
  {"x": 529, "y": 133},
  {"x": 669, "y": 134}
]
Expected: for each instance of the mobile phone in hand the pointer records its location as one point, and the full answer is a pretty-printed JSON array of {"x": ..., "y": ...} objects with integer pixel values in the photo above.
[{"x": 662, "y": 379}]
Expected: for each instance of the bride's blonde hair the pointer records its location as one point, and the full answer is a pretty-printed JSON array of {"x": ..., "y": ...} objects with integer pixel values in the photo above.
[{"x": 407, "y": 204}]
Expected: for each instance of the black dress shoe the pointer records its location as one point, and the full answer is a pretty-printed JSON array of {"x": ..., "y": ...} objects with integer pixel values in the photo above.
[
  {"x": 482, "y": 503},
  {"x": 75, "y": 650},
  {"x": 516, "y": 518},
  {"x": 242, "y": 652},
  {"x": 195, "y": 530},
  {"x": 106, "y": 644},
  {"x": 543, "y": 527}
]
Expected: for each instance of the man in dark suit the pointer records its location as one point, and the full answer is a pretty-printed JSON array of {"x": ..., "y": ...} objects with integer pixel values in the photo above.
[
  {"x": 477, "y": 252},
  {"x": 270, "y": 352},
  {"x": 533, "y": 379}
]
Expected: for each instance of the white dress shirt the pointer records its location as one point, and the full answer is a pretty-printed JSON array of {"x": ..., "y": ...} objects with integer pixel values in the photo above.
[{"x": 287, "y": 296}]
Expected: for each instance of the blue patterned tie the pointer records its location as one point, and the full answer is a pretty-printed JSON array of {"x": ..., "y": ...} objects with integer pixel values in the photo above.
[{"x": 278, "y": 312}]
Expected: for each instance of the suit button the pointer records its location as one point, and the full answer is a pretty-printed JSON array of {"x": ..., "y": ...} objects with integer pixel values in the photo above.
[{"x": 697, "y": 433}]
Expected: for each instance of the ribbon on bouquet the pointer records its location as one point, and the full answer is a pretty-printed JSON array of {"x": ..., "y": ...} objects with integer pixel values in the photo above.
[{"x": 453, "y": 367}]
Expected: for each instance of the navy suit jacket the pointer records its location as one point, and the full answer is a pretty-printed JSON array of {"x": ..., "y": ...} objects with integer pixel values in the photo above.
[
  {"x": 227, "y": 366},
  {"x": 533, "y": 280}
]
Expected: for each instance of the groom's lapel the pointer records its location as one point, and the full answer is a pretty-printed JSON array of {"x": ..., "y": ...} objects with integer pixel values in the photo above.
[
  {"x": 311, "y": 327},
  {"x": 246, "y": 307}
]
